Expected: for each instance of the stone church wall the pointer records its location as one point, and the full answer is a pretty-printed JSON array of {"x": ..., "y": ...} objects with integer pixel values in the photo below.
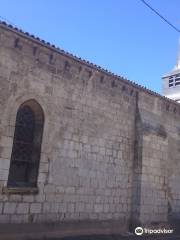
[
  {"x": 157, "y": 161},
  {"x": 110, "y": 149}
]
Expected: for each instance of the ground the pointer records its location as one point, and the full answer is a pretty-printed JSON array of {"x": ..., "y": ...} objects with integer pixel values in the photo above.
[{"x": 117, "y": 237}]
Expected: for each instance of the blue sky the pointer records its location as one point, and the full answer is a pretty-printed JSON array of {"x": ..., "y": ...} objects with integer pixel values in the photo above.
[{"x": 122, "y": 36}]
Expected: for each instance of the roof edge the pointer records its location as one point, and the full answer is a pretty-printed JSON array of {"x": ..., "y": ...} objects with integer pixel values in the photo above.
[{"x": 48, "y": 45}]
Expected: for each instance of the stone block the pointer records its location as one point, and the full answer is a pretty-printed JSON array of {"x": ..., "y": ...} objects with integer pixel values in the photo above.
[
  {"x": 63, "y": 208},
  {"x": 70, "y": 190},
  {"x": 44, "y": 167},
  {"x": 42, "y": 177},
  {"x": 4, "y": 174},
  {"x": 71, "y": 207},
  {"x": 15, "y": 198},
  {"x": 47, "y": 207},
  {"x": 50, "y": 188},
  {"x": 35, "y": 208},
  {"x": 5, "y": 218},
  {"x": 6, "y": 153},
  {"x": 98, "y": 208},
  {"x": 55, "y": 208},
  {"x": 4, "y": 164},
  {"x": 22, "y": 208},
  {"x": 10, "y": 208},
  {"x": 39, "y": 198},
  {"x": 28, "y": 198},
  {"x": 6, "y": 141}
]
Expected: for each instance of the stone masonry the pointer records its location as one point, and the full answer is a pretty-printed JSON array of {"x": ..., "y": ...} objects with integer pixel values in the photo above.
[{"x": 110, "y": 148}]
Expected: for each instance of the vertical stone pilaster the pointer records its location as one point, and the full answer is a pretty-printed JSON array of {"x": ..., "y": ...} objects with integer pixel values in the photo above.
[
  {"x": 149, "y": 196},
  {"x": 137, "y": 170}
]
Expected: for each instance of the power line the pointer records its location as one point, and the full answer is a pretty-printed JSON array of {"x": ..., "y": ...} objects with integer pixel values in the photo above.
[{"x": 164, "y": 19}]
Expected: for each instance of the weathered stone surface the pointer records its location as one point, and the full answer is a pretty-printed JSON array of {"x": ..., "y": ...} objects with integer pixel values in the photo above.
[
  {"x": 9, "y": 208},
  {"x": 22, "y": 208},
  {"x": 110, "y": 149},
  {"x": 35, "y": 208}
]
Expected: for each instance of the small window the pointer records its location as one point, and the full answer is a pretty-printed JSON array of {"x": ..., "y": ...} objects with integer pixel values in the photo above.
[
  {"x": 171, "y": 81},
  {"x": 177, "y": 83},
  {"x": 26, "y": 145}
]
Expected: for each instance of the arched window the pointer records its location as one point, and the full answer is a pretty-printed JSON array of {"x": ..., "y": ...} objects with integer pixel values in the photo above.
[{"x": 26, "y": 145}]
